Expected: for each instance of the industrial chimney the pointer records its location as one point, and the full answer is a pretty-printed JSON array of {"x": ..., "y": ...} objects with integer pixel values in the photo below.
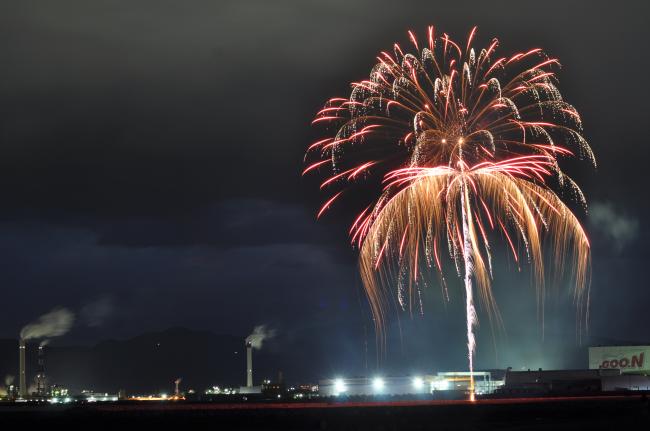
[
  {"x": 41, "y": 383},
  {"x": 249, "y": 364},
  {"x": 177, "y": 392},
  {"x": 21, "y": 366}
]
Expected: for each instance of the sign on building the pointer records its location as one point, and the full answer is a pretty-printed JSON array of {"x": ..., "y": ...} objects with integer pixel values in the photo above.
[{"x": 628, "y": 359}]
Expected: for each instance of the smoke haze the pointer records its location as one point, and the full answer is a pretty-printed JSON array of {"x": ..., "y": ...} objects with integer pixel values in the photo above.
[
  {"x": 53, "y": 324},
  {"x": 96, "y": 313},
  {"x": 260, "y": 333},
  {"x": 616, "y": 226}
]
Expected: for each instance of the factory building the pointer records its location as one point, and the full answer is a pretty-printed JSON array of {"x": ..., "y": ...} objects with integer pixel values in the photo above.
[
  {"x": 93, "y": 397},
  {"x": 625, "y": 382},
  {"x": 373, "y": 386},
  {"x": 459, "y": 381},
  {"x": 444, "y": 384},
  {"x": 576, "y": 382},
  {"x": 611, "y": 369},
  {"x": 551, "y": 381}
]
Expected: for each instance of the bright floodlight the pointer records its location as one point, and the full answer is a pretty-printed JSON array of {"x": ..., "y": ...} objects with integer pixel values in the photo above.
[
  {"x": 378, "y": 383},
  {"x": 418, "y": 383},
  {"x": 339, "y": 386}
]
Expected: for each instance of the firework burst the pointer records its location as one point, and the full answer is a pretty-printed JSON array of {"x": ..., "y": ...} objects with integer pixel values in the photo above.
[{"x": 464, "y": 147}]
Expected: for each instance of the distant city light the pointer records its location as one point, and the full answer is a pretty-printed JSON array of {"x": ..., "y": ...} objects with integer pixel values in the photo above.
[
  {"x": 378, "y": 383},
  {"x": 418, "y": 383}
]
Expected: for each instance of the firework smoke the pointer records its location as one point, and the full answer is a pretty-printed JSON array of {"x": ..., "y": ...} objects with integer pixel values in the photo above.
[
  {"x": 53, "y": 324},
  {"x": 617, "y": 227},
  {"x": 467, "y": 148},
  {"x": 96, "y": 313},
  {"x": 259, "y": 335}
]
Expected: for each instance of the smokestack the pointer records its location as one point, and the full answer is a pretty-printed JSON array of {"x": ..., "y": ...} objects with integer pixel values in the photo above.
[
  {"x": 255, "y": 341},
  {"x": 21, "y": 366},
  {"x": 40, "y": 376},
  {"x": 177, "y": 391},
  {"x": 249, "y": 364}
]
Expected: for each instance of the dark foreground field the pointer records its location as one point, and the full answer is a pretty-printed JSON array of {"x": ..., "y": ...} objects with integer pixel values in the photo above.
[{"x": 594, "y": 413}]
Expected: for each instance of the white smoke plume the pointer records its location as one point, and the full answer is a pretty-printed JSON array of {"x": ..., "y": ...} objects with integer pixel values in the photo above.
[
  {"x": 96, "y": 313},
  {"x": 53, "y": 324},
  {"x": 260, "y": 333},
  {"x": 9, "y": 379},
  {"x": 616, "y": 226}
]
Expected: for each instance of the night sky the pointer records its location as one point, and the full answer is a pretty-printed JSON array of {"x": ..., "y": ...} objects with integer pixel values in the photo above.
[{"x": 151, "y": 151}]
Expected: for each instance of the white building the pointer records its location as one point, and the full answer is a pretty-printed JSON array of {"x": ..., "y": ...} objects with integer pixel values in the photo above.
[{"x": 408, "y": 385}]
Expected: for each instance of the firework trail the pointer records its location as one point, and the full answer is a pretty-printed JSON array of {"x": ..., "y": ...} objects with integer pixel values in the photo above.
[{"x": 464, "y": 146}]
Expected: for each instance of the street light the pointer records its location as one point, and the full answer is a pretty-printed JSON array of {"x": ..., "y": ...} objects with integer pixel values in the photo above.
[
  {"x": 339, "y": 386},
  {"x": 418, "y": 383}
]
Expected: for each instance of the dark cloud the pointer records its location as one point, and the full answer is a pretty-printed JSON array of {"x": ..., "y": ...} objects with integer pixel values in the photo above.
[
  {"x": 121, "y": 284},
  {"x": 226, "y": 224}
]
